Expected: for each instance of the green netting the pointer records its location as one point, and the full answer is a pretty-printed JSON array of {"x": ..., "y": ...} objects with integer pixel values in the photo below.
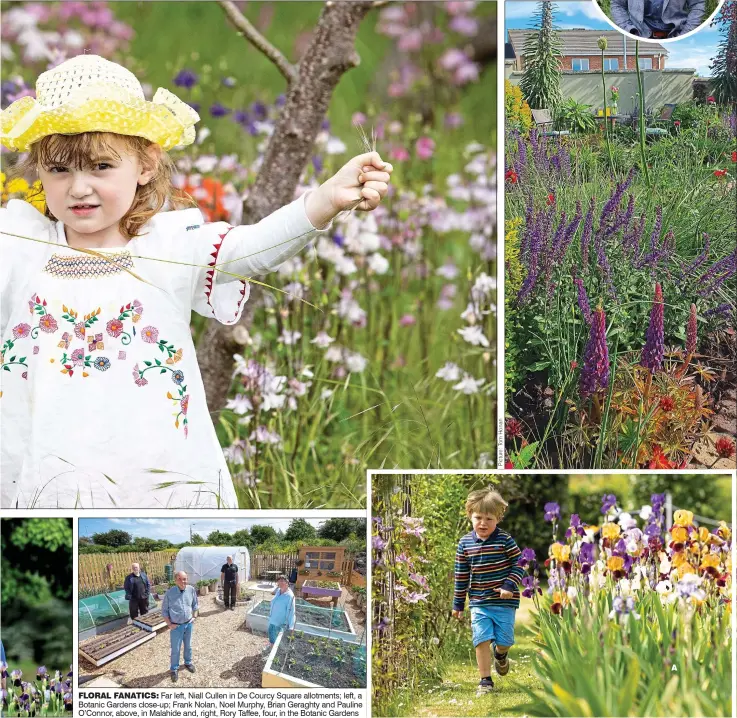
[{"x": 102, "y": 608}]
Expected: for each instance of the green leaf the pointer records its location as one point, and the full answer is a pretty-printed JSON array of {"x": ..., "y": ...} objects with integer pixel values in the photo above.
[
  {"x": 147, "y": 363},
  {"x": 158, "y": 363},
  {"x": 163, "y": 371},
  {"x": 522, "y": 459}
]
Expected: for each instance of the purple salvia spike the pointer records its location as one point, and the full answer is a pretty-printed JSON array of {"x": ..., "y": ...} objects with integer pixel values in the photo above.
[
  {"x": 587, "y": 232},
  {"x": 691, "y": 268},
  {"x": 583, "y": 301},
  {"x": 691, "y": 332},
  {"x": 654, "y": 349}
]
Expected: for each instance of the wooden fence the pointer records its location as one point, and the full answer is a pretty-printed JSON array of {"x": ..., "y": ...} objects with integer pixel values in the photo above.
[{"x": 96, "y": 577}]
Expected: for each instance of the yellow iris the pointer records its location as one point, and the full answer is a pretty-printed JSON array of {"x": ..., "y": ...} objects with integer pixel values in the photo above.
[
  {"x": 703, "y": 534},
  {"x": 724, "y": 531},
  {"x": 679, "y": 534},
  {"x": 683, "y": 518},
  {"x": 711, "y": 560},
  {"x": 561, "y": 552},
  {"x": 685, "y": 568},
  {"x": 679, "y": 558},
  {"x": 615, "y": 563},
  {"x": 610, "y": 531}
]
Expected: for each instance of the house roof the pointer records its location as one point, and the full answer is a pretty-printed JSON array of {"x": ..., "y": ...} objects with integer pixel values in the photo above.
[{"x": 583, "y": 42}]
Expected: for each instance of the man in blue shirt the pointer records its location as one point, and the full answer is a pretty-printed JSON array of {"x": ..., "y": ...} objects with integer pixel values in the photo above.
[
  {"x": 658, "y": 19},
  {"x": 178, "y": 610},
  {"x": 281, "y": 611}
]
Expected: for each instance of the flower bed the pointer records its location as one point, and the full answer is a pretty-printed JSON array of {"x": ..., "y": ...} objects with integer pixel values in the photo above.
[
  {"x": 301, "y": 660},
  {"x": 649, "y": 608},
  {"x": 47, "y": 695},
  {"x": 108, "y": 646},
  {"x": 310, "y": 619}
]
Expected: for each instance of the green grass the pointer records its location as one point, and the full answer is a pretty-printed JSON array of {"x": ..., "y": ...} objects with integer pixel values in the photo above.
[{"x": 455, "y": 694}]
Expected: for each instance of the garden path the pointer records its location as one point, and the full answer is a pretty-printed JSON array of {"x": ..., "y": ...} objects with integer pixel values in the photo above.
[{"x": 456, "y": 695}]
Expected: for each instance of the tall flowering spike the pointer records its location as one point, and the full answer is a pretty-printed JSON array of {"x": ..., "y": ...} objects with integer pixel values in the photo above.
[
  {"x": 652, "y": 352},
  {"x": 691, "y": 332},
  {"x": 583, "y": 301},
  {"x": 595, "y": 370}
]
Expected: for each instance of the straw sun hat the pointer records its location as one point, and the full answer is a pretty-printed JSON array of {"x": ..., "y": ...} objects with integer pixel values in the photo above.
[{"x": 90, "y": 94}]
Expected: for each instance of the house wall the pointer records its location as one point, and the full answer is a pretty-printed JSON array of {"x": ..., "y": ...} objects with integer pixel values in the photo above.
[
  {"x": 595, "y": 61},
  {"x": 661, "y": 87}
]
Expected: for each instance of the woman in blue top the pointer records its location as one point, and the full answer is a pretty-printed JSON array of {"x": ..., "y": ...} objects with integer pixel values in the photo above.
[{"x": 281, "y": 611}]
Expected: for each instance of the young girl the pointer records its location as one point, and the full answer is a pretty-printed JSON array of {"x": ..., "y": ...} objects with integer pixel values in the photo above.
[{"x": 102, "y": 400}]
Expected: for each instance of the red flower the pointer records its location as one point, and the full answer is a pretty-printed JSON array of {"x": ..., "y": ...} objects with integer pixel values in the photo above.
[
  {"x": 711, "y": 100},
  {"x": 551, "y": 199},
  {"x": 513, "y": 429},
  {"x": 734, "y": 156},
  {"x": 720, "y": 173},
  {"x": 659, "y": 460},
  {"x": 574, "y": 364},
  {"x": 511, "y": 176},
  {"x": 508, "y": 464},
  {"x": 667, "y": 404},
  {"x": 725, "y": 448},
  {"x": 677, "y": 123}
]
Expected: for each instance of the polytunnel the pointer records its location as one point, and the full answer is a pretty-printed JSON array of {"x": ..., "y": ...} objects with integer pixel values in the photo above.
[
  {"x": 97, "y": 610},
  {"x": 204, "y": 562}
]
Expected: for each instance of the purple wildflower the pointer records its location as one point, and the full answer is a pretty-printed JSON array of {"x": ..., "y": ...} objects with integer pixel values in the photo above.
[
  {"x": 654, "y": 349},
  {"x": 532, "y": 586},
  {"x": 595, "y": 371},
  {"x": 186, "y": 78},
  {"x": 218, "y": 110},
  {"x": 576, "y": 527},
  {"x": 259, "y": 110},
  {"x": 586, "y": 553}
]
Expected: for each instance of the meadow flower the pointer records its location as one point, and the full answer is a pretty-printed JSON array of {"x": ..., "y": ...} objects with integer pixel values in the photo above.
[
  {"x": 449, "y": 372},
  {"x": 449, "y": 270},
  {"x": 513, "y": 429},
  {"x": 378, "y": 264},
  {"x": 322, "y": 340},
  {"x": 354, "y": 362},
  {"x": 474, "y": 335},
  {"x": 425, "y": 147},
  {"x": 289, "y": 338},
  {"x": 186, "y": 78},
  {"x": 469, "y": 385}
]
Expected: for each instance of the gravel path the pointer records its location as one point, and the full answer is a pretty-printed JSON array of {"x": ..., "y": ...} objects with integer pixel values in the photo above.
[{"x": 225, "y": 653}]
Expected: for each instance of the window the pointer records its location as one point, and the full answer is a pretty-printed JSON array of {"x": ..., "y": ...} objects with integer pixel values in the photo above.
[
  {"x": 611, "y": 63},
  {"x": 327, "y": 565},
  {"x": 646, "y": 63},
  {"x": 580, "y": 64},
  {"x": 329, "y": 556}
]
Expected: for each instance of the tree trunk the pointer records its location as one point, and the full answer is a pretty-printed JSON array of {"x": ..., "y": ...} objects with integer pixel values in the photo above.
[{"x": 330, "y": 55}]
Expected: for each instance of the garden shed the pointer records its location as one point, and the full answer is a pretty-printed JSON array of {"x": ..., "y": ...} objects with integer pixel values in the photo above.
[
  {"x": 204, "y": 562},
  {"x": 320, "y": 562}
]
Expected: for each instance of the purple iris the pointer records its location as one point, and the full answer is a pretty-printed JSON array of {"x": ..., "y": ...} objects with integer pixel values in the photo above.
[
  {"x": 658, "y": 502},
  {"x": 621, "y": 547},
  {"x": 552, "y": 511},
  {"x": 575, "y": 527},
  {"x": 528, "y": 555},
  {"x": 608, "y": 502},
  {"x": 652, "y": 530},
  {"x": 532, "y": 586},
  {"x": 586, "y": 553},
  {"x": 186, "y": 78}
]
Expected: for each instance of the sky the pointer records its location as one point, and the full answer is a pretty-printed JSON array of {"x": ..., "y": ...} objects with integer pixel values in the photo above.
[
  {"x": 695, "y": 51},
  {"x": 177, "y": 530}
]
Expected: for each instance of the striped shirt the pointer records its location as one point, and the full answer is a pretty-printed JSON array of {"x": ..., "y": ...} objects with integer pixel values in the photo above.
[{"x": 483, "y": 567}]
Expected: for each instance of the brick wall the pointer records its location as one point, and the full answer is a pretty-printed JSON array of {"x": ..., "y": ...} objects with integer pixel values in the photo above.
[{"x": 595, "y": 61}]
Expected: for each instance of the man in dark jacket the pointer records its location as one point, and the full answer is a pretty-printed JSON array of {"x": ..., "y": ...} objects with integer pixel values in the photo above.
[
  {"x": 658, "y": 19},
  {"x": 137, "y": 589},
  {"x": 229, "y": 579}
]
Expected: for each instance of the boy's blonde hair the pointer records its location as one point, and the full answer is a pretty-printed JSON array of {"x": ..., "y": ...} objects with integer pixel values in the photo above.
[
  {"x": 77, "y": 151},
  {"x": 486, "y": 501}
]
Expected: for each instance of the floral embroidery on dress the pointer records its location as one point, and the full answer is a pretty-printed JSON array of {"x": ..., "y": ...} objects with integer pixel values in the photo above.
[
  {"x": 8, "y": 347},
  {"x": 46, "y": 322},
  {"x": 150, "y": 335},
  {"x": 115, "y": 327}
]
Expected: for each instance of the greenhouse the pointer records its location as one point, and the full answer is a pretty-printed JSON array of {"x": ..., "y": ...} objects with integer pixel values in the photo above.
[{"x": 104, "y": 612}]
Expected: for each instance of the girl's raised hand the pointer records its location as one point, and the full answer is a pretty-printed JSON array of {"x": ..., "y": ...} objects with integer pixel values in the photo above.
[{"x": 363, "y": 180}]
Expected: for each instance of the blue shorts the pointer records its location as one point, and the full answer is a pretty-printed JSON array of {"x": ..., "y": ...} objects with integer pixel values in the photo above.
[
  {"x": 274, "y": 631},
  {"x": 493, "y": 623}
]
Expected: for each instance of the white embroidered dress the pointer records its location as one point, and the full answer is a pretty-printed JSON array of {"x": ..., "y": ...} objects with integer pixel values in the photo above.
[{"x": 102, "y": 402}]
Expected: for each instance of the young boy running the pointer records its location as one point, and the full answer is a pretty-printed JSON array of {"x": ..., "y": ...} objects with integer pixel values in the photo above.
[{"x": 486, "y": 569}]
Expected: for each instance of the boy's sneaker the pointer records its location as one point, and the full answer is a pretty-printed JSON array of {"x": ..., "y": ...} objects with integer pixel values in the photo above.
[
  {"x": 501, "y": 666},
  {"x": 486, "y": 685}
]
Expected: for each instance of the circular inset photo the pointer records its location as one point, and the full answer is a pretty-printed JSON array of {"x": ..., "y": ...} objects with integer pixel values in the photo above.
[{"x": 661, "y": 20}]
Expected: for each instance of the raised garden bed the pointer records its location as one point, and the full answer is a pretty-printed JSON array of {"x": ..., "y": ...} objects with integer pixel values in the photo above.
[
  {"x": 313, "y": 620},
  {"x": 102, "y": 649},
  {"x": 322, "y": 588},
  {"x": 300, "y": 660},
  {"x": 243, "y": 599},
  {"x": 152, "y": 621}
]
